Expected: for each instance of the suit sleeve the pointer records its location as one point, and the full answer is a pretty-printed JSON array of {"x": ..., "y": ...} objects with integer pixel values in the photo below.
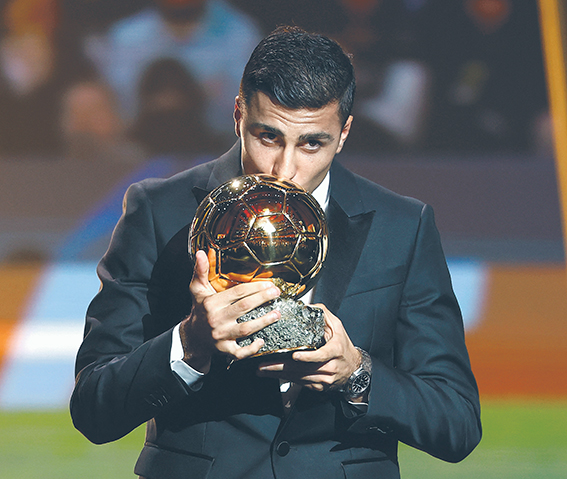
[
  {"x": 122, "y": 378},
  {"x": 429, "y": 398}
]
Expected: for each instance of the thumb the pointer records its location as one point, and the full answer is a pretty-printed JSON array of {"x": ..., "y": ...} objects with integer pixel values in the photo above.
[
  {"x": 330, "y": 321},
  {"x": 200, "y": 281}
]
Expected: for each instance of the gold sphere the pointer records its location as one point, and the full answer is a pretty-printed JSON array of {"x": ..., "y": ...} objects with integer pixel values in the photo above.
[{"x": 258, "y": 227}]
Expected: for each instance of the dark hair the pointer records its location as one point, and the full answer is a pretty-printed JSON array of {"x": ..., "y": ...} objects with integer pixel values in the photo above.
[{"x": 298, "y": 69}]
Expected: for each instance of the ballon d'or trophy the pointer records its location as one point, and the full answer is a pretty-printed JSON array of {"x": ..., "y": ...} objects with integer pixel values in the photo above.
[{"x": 258, "y": 228}]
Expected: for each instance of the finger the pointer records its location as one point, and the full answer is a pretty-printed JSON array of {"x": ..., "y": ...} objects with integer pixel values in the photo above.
[
  {"x": 326, "y": 379},
  {"x": 253, "y": 326},
  {"x": 331, "y": 321},
  {"x": 200, "y": 281},
  {"x": 271, "y": 367},
  {"x": 239, "y": 353},
  {"x": 244, "y": 290},
  {"x": 225, "y": 327},
  {"x": 330, "y": 350},
  {"x": 226, "y": 341},
  {"x": 297, "y": 369},
  {"x": 228, "y": 309},
  {"x": 321, "y": 355},
  {"x": 247, "y": 299},
  {"x": 319, "y": 387}
]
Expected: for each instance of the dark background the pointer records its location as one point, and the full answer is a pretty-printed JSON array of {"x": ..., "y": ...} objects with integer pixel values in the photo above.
[{"x": 466, "y": 127}]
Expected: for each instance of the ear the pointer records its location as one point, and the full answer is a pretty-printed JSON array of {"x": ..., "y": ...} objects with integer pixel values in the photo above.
[
  {"x": 344, "y": 133},
  {"x": 237, "y": 116}
]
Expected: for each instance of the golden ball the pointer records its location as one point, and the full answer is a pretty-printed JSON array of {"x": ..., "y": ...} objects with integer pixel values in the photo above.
[{"x": 258, "y": 227}]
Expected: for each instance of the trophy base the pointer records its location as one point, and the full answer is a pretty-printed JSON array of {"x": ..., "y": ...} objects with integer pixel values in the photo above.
[{"x": 300, "y": 327}]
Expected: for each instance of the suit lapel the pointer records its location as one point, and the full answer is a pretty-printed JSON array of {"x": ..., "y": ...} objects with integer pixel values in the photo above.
[
  {"x": 224, "y": 168},
  {"x": 346, "y": 237},
  {"x": 228, "y": 166}
]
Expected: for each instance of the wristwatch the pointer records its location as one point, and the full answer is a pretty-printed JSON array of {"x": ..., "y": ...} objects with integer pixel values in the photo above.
[{"x": 359, "y": 381}]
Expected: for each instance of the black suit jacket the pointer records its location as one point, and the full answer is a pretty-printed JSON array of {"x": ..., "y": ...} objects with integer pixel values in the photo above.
[{"x": 385, "y": 278}]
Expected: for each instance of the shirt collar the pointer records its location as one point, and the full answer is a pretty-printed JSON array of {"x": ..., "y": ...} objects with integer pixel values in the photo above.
[{"x": 321, "y": 193}]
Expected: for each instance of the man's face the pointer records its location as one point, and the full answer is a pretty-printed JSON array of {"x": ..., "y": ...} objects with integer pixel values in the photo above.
[{"x": 296, "y": 145}]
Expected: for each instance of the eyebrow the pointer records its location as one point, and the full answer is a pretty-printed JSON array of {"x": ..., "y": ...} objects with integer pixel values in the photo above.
[
  {"x": 263, "y": 126},
  {"x": 303, "y": 138},
  {"x": 316, "y": 137}
]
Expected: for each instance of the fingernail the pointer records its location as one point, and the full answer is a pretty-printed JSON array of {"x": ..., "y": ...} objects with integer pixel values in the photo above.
[{"x": 274, "y": 292}]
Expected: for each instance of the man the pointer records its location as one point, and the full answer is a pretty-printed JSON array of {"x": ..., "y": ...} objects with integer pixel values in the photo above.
[{"x": 158, "y": 337}]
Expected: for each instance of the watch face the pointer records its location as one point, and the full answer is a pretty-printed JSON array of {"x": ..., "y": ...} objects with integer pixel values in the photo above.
[{"x": 360, "y": 383}]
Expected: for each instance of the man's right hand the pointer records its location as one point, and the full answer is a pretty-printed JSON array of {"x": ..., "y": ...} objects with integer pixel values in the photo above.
[{"x": 212, "y": 327}]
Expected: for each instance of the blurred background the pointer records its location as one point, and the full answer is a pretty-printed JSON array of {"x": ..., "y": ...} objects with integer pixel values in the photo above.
[{"x": 452, "y": 108}]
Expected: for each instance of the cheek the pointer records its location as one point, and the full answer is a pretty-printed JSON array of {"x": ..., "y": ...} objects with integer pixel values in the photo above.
[
  {"x": 315, "y": 167},
  {"x": 255, "y": 160},
  {"x": 310, "y": 178}
]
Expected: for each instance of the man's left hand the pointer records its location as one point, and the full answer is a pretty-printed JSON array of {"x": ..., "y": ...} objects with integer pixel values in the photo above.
[{"x": 324, "y": 369}]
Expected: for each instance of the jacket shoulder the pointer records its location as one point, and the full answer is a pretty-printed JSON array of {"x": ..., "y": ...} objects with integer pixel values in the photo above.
[
  {"x": 178, "y": 185},
  {"x": 360, "y": 193},
  {"x": 169, "y": 202}
]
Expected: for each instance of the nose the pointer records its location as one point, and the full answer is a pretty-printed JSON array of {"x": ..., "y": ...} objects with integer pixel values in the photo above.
[{"x": 284, "y": 165}]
